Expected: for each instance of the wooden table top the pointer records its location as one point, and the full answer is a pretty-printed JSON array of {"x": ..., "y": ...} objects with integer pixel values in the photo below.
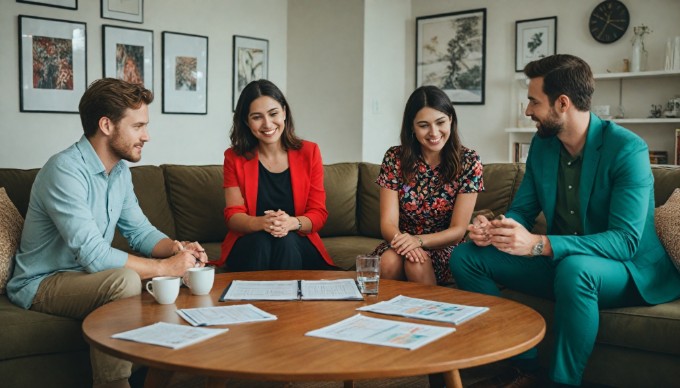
[{"x": 279, "y": 350}]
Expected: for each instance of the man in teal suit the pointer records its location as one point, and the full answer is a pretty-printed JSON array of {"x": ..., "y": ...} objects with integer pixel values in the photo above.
[{"x": 592, "y": 180}]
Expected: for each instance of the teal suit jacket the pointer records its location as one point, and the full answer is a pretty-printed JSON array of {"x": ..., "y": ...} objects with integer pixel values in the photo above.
[{"x": 616, "y": 194}]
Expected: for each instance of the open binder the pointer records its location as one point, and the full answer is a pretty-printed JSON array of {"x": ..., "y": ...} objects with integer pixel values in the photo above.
[{"x": 341, "y": 289}]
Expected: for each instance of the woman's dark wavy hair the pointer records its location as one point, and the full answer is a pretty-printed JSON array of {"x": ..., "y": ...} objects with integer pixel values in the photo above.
[
  {"x": 564, "y": 74},
  {"x": 242, "y": 140},
  {"x": 451, "y": 154}
]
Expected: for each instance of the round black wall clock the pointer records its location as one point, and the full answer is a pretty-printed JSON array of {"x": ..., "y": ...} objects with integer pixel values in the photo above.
[{"x": 609, "y": 21}]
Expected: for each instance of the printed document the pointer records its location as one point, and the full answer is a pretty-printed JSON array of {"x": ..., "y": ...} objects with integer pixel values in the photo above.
[
  {"x": 169, "y": 335},
  {"x": 341, "y": 289},
  {"x": 425, "y": 309},
  {"x": 224, "y": 315},
  {"x": 383, "y": 332}
]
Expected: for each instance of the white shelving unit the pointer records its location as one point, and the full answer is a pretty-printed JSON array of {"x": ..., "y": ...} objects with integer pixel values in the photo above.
[{"x": 523, "y": 135}]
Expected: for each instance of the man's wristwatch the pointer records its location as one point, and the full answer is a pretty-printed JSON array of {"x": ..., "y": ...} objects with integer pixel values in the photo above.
[{"x": 537, "y": 250}]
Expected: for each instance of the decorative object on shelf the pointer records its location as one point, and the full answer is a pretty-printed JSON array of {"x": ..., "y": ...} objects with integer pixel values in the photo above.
[
  {"x": 52, "y": 64},
  {"x": 67, "y": 4},
  {"x": 451, "y": 54},
  {"x": 185, "y": 73},
  {"x": 677, "y": 146},
  {"x": 638, "y": 58},
  {"x": 250, "y": 63},
  {"x": 655, "y": 112},
  {"x": 534, "y": 39},
  {"x": 658, "y": 157},
  {"x": 609, "y": 21},
  {"x": 127, "y": 10},
  {"x": 668, "y": 63},
  {"x": 602, "y": 111},
  {"x": 128, "y": 54},
  {"x": 672, "y": 108},
  {"x": 676, "y": 53}
]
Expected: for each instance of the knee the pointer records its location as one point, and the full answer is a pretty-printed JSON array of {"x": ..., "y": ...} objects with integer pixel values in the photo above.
[
  {"x": 124, "y": 283},
  {"x": 572, "y": 275}
]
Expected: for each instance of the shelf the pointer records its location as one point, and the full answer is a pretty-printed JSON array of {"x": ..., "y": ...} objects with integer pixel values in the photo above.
[
  {"x": 521, "y": 130},
  {"x": 639, "y": 74},
  {"x": 646, "y": 121}
]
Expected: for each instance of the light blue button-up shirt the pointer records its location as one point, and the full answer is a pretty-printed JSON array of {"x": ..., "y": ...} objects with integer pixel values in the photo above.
[{"x": 71, "y": 219}]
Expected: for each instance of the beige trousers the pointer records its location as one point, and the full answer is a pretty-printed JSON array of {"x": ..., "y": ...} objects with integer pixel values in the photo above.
[{"x": 76, "y": 294}]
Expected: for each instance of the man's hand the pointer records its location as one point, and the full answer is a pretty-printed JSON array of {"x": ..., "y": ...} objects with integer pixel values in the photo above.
[
  {"x": 478, "y": 231},
  {"x": 178, "y": 264},
  {"x": 509, "y": 236}
]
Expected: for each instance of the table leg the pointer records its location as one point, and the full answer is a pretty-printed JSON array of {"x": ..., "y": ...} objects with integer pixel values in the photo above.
[
  {"x": 157, "y": 378},
  {"x": 452, "y": 379},
  {"x": 348, "y": 384}
]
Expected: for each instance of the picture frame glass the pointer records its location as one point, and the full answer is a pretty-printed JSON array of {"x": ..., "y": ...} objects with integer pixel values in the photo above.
[
  {"x": 127, "y": 10},
  {"x": 185, "y": 73},
  {"x": 451, "y": 54},
  {"x": 67, "y": 4},
  {"x": 53, "y": 64},
  {"x": 534, "y": 39},
  {"x": 250, "y": 63},
  {"x": 128, "y": 54}
]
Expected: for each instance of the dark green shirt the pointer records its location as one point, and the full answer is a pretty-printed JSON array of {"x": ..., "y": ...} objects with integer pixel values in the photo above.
[{"x": 567, "y": 219}]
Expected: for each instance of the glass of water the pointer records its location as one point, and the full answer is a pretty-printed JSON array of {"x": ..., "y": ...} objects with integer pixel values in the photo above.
[{"x": 368, "y": 273}]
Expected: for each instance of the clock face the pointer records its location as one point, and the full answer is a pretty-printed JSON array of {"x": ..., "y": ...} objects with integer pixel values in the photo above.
[{"x": 609, "y": 21}]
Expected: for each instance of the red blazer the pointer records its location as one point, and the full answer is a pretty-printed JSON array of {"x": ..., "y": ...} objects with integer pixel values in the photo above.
[{"x": 309, "y": 195}]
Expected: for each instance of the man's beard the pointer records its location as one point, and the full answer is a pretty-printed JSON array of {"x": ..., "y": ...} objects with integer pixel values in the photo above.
[
  {"x": 122, "y": 150},
  {"x": 549, "y": 127}
]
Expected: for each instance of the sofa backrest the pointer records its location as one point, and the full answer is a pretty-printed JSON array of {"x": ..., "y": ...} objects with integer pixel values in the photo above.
[
  {"x": 666, "y": 179},
  {"x": 340, "y": 181},
  {"x": 368, "y": 207},
  {"x": 18, "y": 184},
  {"x": 196, "y": 198}
]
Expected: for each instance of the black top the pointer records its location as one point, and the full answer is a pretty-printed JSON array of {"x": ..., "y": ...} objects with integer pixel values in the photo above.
[{"x": 274, "y": 191}]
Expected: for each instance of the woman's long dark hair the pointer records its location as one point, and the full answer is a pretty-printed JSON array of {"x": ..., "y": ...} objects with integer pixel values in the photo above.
[
  {"x": 450, "y": 158},
  {"x": 242, "y": 140}
]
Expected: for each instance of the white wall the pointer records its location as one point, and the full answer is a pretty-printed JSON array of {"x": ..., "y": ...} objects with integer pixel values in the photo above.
[
  {"x": 386, "y": 26},
  {"x": 28, "y": 139},
  {"x": 325, "y": 74},
  {"x": 482, "y": 126}
]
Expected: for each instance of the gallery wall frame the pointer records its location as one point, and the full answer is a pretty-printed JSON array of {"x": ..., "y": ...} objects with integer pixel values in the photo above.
[
  {"x": 52, "y": 64},
  {"x": 250, "y": 63},
  {"x": 451, "y": 54},
  {"x": 127, "y": 54},
  {"x": 185, "y": 73},
  {"x": 534, "y": 39},
  {"x": 66, "y": 4},
  {"x": 126, "y": 10}
]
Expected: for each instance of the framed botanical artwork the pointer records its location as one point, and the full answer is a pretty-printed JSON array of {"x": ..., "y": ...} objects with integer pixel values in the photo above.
[
  {"x": 451, "y": 54},
  {"x": 185, "y": 73},
  {"x": 127, "y": 10},
  {"x": 250, "y": 62},
  {"x": 67, "y": 4},
  {"x": 52, "y": 64},
  {"x": 534, "y": 39},
  {"x": 128, "y": 54}
]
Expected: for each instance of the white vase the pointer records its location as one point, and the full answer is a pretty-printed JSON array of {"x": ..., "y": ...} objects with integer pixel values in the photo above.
[
  {"x": 676, "y": 53},
  {"x": 638, "y": 58}
]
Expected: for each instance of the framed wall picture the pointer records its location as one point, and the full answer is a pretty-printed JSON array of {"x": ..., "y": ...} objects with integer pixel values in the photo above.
[
  {"x": 250, "y": 62},
  {"x": 127, "y": 10},
  {"x": 67, "y": 4},
  {"x": 451, "y": 54},
  {"x": 128, "y": 54},
  {"x": 534, "y": 39},
  {"x": 52, "y": 64},
  {"x": 185, "y": 73}
]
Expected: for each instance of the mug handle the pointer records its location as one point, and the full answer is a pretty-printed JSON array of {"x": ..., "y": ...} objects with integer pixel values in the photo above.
[{"x": 149, "y": 289}]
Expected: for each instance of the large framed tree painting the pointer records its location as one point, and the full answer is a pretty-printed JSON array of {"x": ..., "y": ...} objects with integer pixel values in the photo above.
[{"x": 451, "y": 54}]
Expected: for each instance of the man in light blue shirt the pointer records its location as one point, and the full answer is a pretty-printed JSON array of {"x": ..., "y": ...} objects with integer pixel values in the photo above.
[{"x": 65, "y": 264}]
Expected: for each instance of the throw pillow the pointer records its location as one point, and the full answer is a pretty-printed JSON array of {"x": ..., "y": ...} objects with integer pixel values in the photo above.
[
  {"x": 667, "y": 221},
  {"x": 11, "y": 224}
]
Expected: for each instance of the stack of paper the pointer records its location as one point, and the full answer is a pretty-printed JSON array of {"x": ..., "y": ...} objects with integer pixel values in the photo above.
[
  {"x": 225, "y": 315},
  {"x": 341, "y": 289},
  {"x": 425, "y": 309},
  {"x": 169, "y": 335}
]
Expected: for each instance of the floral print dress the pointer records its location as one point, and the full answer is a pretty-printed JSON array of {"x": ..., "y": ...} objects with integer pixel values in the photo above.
[{"x": 425, "y": 204}]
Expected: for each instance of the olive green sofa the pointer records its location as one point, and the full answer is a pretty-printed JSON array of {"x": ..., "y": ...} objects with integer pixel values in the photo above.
[{"x": 636, "y": 347}]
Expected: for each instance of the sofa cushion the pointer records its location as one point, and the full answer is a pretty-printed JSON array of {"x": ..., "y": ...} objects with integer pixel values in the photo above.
[
  {"x": 344, "y": 250},
  {"x": 500, "y": 185},
  {"x": 11, "y": 224},
  {"x": 149, "y": 186},
  {"x": 368, "y": 207},
  {"x": 666, "y": 179},
  {"x": 340, "y": 182},
  {"x": 197, "y": 201},
  {"x": 18, "y": 184},
  {"x": 667, "y": 222},
  {"x": 28, "y": 333}
]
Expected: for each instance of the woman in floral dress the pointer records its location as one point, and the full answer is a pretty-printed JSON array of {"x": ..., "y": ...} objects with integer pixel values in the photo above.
[{"x": 428, "y": 190}]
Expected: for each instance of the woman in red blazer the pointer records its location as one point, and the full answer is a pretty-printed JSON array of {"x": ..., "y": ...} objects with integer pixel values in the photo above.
[{"x": 273, "y": 187}]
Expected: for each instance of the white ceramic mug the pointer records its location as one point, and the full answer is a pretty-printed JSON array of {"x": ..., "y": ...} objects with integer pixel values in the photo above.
[
  {"x": 199, "y": 280},
  {"x": 164, "y": 288}
]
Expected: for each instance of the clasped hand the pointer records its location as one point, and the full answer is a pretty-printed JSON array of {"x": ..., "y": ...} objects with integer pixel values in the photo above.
[
  {"x": 278, "y": 223},
  {"x": 410, "y": 247},
  {"x": 186, "y": 255},
  {"x": 506, "y": 234}
]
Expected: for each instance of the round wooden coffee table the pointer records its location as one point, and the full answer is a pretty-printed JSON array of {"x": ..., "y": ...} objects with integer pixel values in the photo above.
[{"x": 279, "y": 350}]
